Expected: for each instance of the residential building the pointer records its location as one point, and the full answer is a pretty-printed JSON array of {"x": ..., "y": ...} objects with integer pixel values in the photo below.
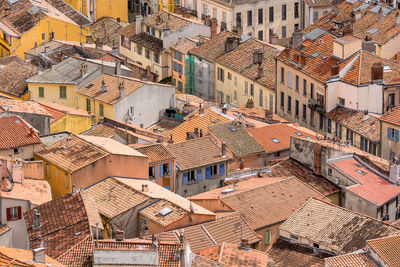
[
  {"x": 105, "y": 30},
  {"x": 67, "y": 118},
  {"x": 154, "y": 36},
  {"x": 313, "y": 10},
  {"x": 48, "y": 224},
  {"x": 162, "y": 164},
  {"x": 245, "y": 76},
  {"x": 30, "y": 111},
  {"x": 125, "y": 99},
  {"x": 200, "y": 71},
  {"x": 140, "y": 206},
  {"x": 201, "y": 165},
  {"x": 96, "y": 10},
  {"x": 42, "y": 22},
  {"x": 66, "y": 170},
  {"x": 258, "y": 204},
  {"x": 18, "y": 138},
  {"x": 275, "y": 139},
  {"x": 23, "y": 188},
  {"x": 27, "y": 258},
  {"x": 389, "y": 134},
  {"x": 12, "y": 78},
  {"x": 60, "y": 83},
  {"x": 241, "y": 147},
  {"x": 330, "y": 220}
]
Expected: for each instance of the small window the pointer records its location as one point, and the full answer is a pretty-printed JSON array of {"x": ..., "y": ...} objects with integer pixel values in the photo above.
[
  {"x": 47, "y": 170},
  {"x": 147, "y": 29},
  {"x": 153, "y": 31},
  {"x": 283, "y": 12},
  {"x": 15, "y": 150},
  {"x": 229, "y": 76},
  {"x": 341, "y": 101},
  {"x": 63, "y": 91},
  {"x": 283, "y": 31},
  {"x": 298, "y": 133},
  {"x": 275, "y": 140},
  {"x": 315, "y": 245},
  {"x": 101, "y": 110},
  {"x": 14, "y": 213},
  {"x": 139, "y": 50},
  {"x": 41, "y": 91},
  {"x": 294, "y": 238},
  {"x": 88, "y": 105},
  {"x": 260, "y": 35},
  {"x": 361, "y": 172},
  {"x": 147, "y": 53},
  {"x": 156, "y": 58},
  {"x": 235, "y": 80},
  {"x": 267, "y": 237},
  {"x": 329, "y": 171},
  {"x": 43, "y": 37},
  {"x": 260, "y": 16},
  {"x": 66, "y": 180}
]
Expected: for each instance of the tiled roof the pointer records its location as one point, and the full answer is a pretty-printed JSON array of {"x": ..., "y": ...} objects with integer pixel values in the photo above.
[
  {"x": 156, "y": 152},
  {"x": 280, "y": 132},
  {"x": 392, "y": 116},
  {"x": 4, "y": 228},
  {"x": 240, "y": 60},
  {"x": 351, "y": 259},
  {"x": 64, "y": 223},
  {"x": 337, "y": 229},
  {"x": 57, "y": 111},
  {"x": 318, "y": 3},
  {"x": 212, "y": 49},
  {"x": 18, "y": 106},
  {"x": 283, "y": 254},
  {"x": 82, "y": 253},
  {"x": 184, "y": 45},
  {"x": 151, "y": 213},
  {"x": 200, "y": 261},
  {"x": 112, "y": 82},
  {"x": 168, "y": 21},
  {"x": 128, "y": 31},
  {"x": 367, "y": 183},
  {"x": 106, "y": 31},
  {"x": 233, "y": 255},
  {"x": 15, "y": 132},
  {"x": 70, "y": 12},
  {"x": 237, "y": 139},
  {"x": 7, "y": 60},
  {"x": 271, "y": 203},
  {"x": 196, "y": 152},
  {"x": 148, "y": 41},
  {"x": 13, "y": 76},
  {"x": 24, "y": 257},
  {"x": 35, "y": 191},
  {"x": 206, "y": 119},
  {"x": 291, "y": 167},
  {"x": 387, "y": 249},
  {"x": 230, "y": 229},
  {"x": 365, "y": 125}
]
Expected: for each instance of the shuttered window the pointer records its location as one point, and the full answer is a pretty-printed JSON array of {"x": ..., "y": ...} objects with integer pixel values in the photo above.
[{"x": 14, "y": 213}]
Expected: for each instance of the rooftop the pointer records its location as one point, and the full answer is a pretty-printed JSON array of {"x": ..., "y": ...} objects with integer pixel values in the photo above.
[
  {"x": 59, "y": 230},
  {"x": 359, "y": 259},
  {"x": 57, "y": 111},
  {"x": 106, "y": 30},
  {"x": 148, "y": 41},
  {"x": 23, "y": 257},
  {"x": 318, "y": 3},
  {"x": 168, "y": 21},
  {"x": 128, "y": 31},
  {"x": 13, "y": 76},
  {"x": 392, "y": 116},
  {"x": 155, "y": 152},
  {"x": 35, "y": 191},
  {"x": 367, "y": 183},
  {"x": 237, "y": 139},
  {"x": 196, "y": 152},
  {"x": 337, "y": 229},
  {"x": 387, "y": 249},
  {"x": 16, "y": 132},
  {"x": 184, "y": 45},
  {"x": 19, "y": 106},
  {"x": 276, "y": 137}
]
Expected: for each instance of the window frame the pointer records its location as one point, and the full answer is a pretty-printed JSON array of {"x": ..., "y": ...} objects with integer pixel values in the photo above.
[{"x": 63, "y": 91}]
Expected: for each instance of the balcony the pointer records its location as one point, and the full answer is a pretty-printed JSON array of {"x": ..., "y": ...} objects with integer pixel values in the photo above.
[{"x": 316, "y": 105}]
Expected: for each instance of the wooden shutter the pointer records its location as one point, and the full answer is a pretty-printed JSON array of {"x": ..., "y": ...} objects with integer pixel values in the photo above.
[
  {"x": 8, "y": 214},
  {"x": 388, "y": 133},
  {"x": 19, "y": 212}
]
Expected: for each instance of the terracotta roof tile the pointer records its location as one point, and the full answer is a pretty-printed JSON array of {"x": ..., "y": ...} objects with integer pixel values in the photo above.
[
  {"x": 36, "y": 191},
  {"x": 19, "y": 106},
  {"x": 106, "y": 31},
  {"x": 392, "y": 116},
  {"x": 337, "y": 229},
  {"x": 15, "y": 132},
  {"x": 184, "y": 45},
  {"x": 352, "y": 259},
  {"x": 24, "y": 256},
  {"x": 151, "y": 212},
  {"x": 156, "y": 152},
  {"x": 168, "y": 21},
  {"x": 200, "y": 261},
  {"x": 128, "y": 31},
  {"x": 4, "y": 228},
  {"x": 387, "y": 249},
  {"x": 148, "y": 41},
  {"x": 57, "y": 111},
  {"x": 13, "y": 76}
]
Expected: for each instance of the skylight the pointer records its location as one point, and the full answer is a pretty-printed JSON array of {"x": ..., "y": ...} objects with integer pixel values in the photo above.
[
  {"x": 275, "y": 140},
  {"x": 164, "y": 212},
  {"x": 386, "y": 68},
  {"x": 361, "y": 172},
  {"x": 298, "y": 134},
  {"x": 227, "y": 191},
  {"x": 316, "y": 54},
  {"x": 372, "y": 31},
  {"x": 215, "y": 121}
]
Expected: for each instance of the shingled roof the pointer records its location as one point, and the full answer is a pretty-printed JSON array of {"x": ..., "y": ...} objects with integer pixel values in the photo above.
[
  {"x": 15, "y": 132},
  {"x": 106, "y": 30},
  {"x": 13, "y": 76}
]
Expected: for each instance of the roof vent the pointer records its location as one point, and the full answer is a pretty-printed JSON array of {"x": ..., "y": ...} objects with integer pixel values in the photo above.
[
  {"x": 228, "y": 191},
  {"x": 233, "y": 129},
  {"x": 164, "y": 212}
]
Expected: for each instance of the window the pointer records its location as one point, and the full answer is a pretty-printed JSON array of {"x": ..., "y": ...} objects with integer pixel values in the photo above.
[
  {"x": 271, "y": 14},
  {"x": 66, "y": 180},
  {"x": 220, "y": 74},
  {"x": 52, "y": 35},
  {"x": 43, "y": 37},
  {"x": 249, "y": 18},
  {"x": 41, "y": 91},
  {"x": 229, "y": 76},
  {"x": 282, "y": 100},
  {"x": 267, "y": 237},
  {"x": 153, "y": 31},
  {"x": 304, "y": 112},
  {"x": 147, "y": 29},
  {"x": 151, "y": 172},
  {"x": 289, "y": 103},
  {"x": 246, "y": 88},
  {"x": 251, "y": 89},
  {"x": 235, "y": 95},
  {"x": 199, "y": 175},
  {"x": 296, "y": 10},
  {"x": 235, "y": 80},
  {"x": 139, "y": 50},
  {"x": 14, "y": 213},
  {"x": 156, "y": 57},
  {"x": 88, "y": 105},
  {"x": 223, "y": 16},
  {"x": 282, "y": 76},
  {"x": 289, "y": 79},
  {"x": 297, "y": 83},
  {"x": 283, "y": 12},
  {"x": 296, "y": 108},
  {"x": 214, "y": 12},
  {"x": 283, "y": 31},
  {"x": 147, "y": 53},
  {"x": 177, "y": 67},
  {"x": 315, "y": 16},
  {"x": 101, "y": 110},
  {"x": 341, "y": 101},
  {"x": 180, "y": 86},
  {"x": 16, "y": 150},
  {"x": 329, "y": 125},
  {"x": 188, "y": 177},
  {"x": 260, "y": 16},
  {"x": 296, "y": 26},
  {"x": 321, "y": 121},
  {"x": 260, "y": 98},
  {"x": 239, "y": 19},
  {"x": 205, "y": 11},
  {"x": 304, "y": 87},
  {"x": 47, "y": 170},
  {"x": 312, "y": 91},
  {"x": 393, "y": 134},
  {"x": 63, "y": 91},
  {"x": 260, "y": 35},
  {"x": 221, "y": 169}
]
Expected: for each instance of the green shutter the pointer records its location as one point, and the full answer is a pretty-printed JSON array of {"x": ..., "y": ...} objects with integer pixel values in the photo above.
[
  {"x": 41, "y": 91},
  {"x": 267, "y": 237},
  {"x": 88, "y": 105},
  {"x": 101, "y": 110},
  {"x": 63, "y": 91}
]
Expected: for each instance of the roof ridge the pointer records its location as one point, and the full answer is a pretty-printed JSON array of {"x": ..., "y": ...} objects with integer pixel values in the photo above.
[{"x": 73, "y": 247}]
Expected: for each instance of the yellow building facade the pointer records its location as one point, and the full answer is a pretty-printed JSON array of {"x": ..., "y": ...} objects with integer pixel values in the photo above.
[
  {"x": 102, "y": 8},
  {"x": 71, "y": 123},
  {"x": 58, "y": 178},
  {"x": 63, "y": 94}
]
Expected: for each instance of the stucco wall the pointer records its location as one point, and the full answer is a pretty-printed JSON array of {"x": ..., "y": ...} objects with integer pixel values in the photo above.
[
  {"x": 204, "y": 79},
  {"x": 24, "y": 152}
]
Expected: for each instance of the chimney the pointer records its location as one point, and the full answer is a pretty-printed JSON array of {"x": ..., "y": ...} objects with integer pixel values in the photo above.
[
  {"x": 260, "y": 72},
  {"x": 273, "y": 38},
  {"x": 213, "y": 27},
  {"x": 201, "y": 132},
  {"x": 297, "y": 37},
  {"x": 348, "y": 29},
  {"x": 83, "y": 69},
  {"x": 17, "y": 171},
  {"x": 368, "y": 45},
  {"x": 7, "y": 11},
  {"x": 201, "y": 110},
  {"x": 357, "y": 15},
  {"x": 39, "y": 256},
  {"x": 231, "y": 43},
  {"x": 99, "y": 45},
  {"x": 352, "y": 16},
  {"x": 118, "y": 68},
  {"x": 186, "y": 14},
  {"x": 394, "y": 171},
  {"x": 145, "y": 188},
  {"x": 196, "y": 132},
  {"x": 296, "y": 58},
  {"x": 244, "y": 243},
  {"x": 121, "y": 89},
  {"x": 377, "y": 72},
  {"x": 317, "y": 158},
  {"x": 335, "y": 70},
  {"x": 119, "y": 235},
  {"x": 223, "y": 149},
  {"x": 36, "y": 219},
  {"x": 302, "y": 59},
  {"x": 257, "y": 56},
  {"x": 138, "y": 24},
  {"x": 397, "y": 18},
  {"x": 158, "y": 19},
  {"x": 187, "y": 135},
  {"x": 238, "y": 30},
  {"x": 103, "y": 87}
]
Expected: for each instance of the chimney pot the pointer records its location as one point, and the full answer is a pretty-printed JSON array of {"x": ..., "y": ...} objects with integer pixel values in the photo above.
[
  {"x": 223, "y": 149},
  {"x": 213, "y": 26},
  {"x": 118, "y": 68},
  {"x": 335, "y": 70},
  {"x": 103, "y": 87},
  {"x": 244, "y": 243},
  {"x": 377, "y": 71},
  {"x": 231, "y": 43},
  {"x": 36, "y": 219},
  {"x": 260, "y": 72},
  {"x": 145, "y": 188},
  {"x": 302, "y": 59},
  {"x": 39, "y": 256},
  {"x": 121, "y": 89},
  {"x": 273, "y": 38}
]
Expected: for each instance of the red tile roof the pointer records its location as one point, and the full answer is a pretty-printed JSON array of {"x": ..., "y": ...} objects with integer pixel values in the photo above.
[
  {"x": 387, "y": 248},
  {"x": 367, "y": 183},
  {"x": 352, "y": 259},
  {"x": 392, "y": 116},
  {"x": 156, "y": 152},
  {"x": 15, "y": 132},
  {"x": 24, "y": 257}
]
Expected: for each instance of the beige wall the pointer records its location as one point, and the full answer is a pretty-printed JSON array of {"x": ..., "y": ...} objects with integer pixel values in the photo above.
[
  {"x": 213, "y": 205},
  {"x": 24, "y": 152},
  {"x": 389, "y": 146},
  {"x": 274, "y": 235}
]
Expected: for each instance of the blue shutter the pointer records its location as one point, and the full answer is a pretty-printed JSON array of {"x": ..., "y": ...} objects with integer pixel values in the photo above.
[
  {"x": 199, "y": 175},
  {"x": 222, "y": 169},
  {"x": 185, "y": 178},
  {"x": 161, "y": 170},
  {"x": 155, "y": 171},
  {"x": 167, "y": 187},
  {"x": 170, "y": 168},
  {"x": 388, "y": 133},
  {"x": 208, "y": 172},
  {"x": 397, "y": 135}
]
